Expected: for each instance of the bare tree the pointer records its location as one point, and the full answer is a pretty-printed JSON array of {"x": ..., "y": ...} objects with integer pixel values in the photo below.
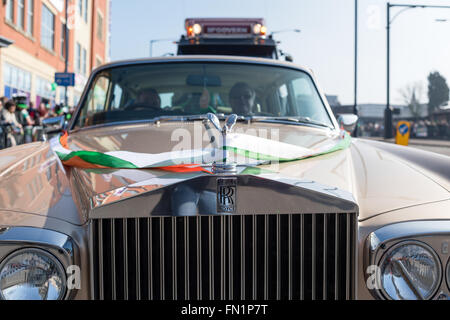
[{"x": 411, "y": 95}]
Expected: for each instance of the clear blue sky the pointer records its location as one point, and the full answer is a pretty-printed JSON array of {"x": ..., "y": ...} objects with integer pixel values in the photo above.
[{"x": 419, "y": 44}]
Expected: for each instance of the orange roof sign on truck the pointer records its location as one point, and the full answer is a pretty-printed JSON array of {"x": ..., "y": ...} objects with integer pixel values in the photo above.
[
  {"x": 227, "y": 36},
  {"x": 213, "y": 27}
]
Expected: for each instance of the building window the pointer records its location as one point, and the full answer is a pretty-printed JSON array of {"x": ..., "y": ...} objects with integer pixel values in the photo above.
[
  {"x": 43, "y": 88},
  {"x": 99, "y": 26},
  {"x": 21, "y": 14},
  {"x": 80, "y": 7},
  {"x": 84, "y": 61},
  {"x": 10, "y": 10},
  {"x": 30, "y": 17},
  {"x": 63, "y": 38},
  {"x": 78, "y": 58},
  {"x": 85, "y": 12},
  {"x": 47, "y": 28},
  {"x": 16, "y": 78}
]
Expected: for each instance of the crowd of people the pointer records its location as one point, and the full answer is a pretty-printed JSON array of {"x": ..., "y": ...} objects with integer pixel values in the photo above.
[
  {"x": 422, "y": 128},
  {"x": 433, "y": 129},
  {"x": 370, "y": 129},
  {"x": 22, "y": 122}
]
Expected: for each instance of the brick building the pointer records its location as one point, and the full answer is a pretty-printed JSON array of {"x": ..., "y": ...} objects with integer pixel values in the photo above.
[{"x": 36, "y": 29}]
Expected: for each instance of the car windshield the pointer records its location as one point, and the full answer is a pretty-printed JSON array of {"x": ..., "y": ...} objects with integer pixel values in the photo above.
[{"x": 149, "y": 91}]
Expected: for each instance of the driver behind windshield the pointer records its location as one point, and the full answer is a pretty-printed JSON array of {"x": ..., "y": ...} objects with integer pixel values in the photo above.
[
  {"x": 242, "y": 98},
  {"x": 150, "y": 98}
]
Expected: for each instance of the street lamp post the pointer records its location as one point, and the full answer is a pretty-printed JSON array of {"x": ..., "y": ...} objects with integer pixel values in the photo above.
[
  {"x": 66, "y": 49},
  {"x": 285, "y": 30},
  {"x": 355, "y": 93},
  {"x": 282, "y": 31},
  {"x": 157, "y": 40},
  {"x": 388, "y": 110},
  {"x": 355, "y": 105}
]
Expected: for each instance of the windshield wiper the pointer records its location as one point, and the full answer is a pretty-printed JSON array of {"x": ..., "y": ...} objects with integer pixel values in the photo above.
[
  {"x": 299, "y": 120},
  {"x": 221, "y": 116},
  {"x": 181, "y": 118}
]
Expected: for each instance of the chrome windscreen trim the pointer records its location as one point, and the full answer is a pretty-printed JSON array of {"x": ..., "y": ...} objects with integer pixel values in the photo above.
[{"x": 198, "y": 59}]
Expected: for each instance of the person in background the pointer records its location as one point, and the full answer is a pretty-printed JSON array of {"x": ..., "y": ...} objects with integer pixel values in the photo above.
[
  {"x": 58, "y": 109},
  {"x": 32, "y": 111},
  {"x": 27, "y": 124},
  {"x": 52, "y": 112},
  {"x": 24, "y": 116},
  {"x": 9, "y": 116},
  {"x": 71, "y": 111},
  {"x": 42, "y": 112},
  {"x": 64, "y": 111},
  {"x": 3, "y": 129},
  {"x": 3, "y": 100},
  {"x": 9, "y": 113}
]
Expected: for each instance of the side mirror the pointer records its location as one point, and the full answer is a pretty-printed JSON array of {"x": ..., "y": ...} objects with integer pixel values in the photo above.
[
  {"x": 288, "y": 58},
  {"x": 52, "y": 126},
  {"x": 347, "y": 122}
]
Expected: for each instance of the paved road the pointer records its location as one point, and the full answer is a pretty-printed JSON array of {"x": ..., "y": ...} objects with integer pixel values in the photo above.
[
  {"x": 438, "y": 146},
  {"x": 441, "y": 150}
]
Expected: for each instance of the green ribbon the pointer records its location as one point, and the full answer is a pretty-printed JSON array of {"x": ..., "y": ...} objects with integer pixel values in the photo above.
[
  {"x": 343, "y": 144},
  {"x": 98, "y": 158},
  {"x": 114, "y": 162}
]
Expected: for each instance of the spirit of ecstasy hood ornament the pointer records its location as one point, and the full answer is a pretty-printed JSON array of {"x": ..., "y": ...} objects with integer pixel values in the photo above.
[
  {"x": 224, "y": 166},
  {"x": 229, "y": 122}
]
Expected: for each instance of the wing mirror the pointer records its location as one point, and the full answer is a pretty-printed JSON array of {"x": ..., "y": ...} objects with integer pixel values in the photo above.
[
  {"x": 347, "y": 122},
  {"x": 288, "y": 58},
  {"x": 52, "y": 126}
]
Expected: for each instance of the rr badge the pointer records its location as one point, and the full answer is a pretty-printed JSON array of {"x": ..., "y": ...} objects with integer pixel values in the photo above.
[{"x": 226, "y": 195}]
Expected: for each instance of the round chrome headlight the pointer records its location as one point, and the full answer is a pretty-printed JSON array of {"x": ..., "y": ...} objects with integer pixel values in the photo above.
[
  {"x": 410, "y": 271},
  {"x": 32, "y": 274}
]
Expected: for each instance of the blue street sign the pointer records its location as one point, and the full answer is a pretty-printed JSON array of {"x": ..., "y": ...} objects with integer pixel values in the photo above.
[
  {"x": 65, "y": 79},
  {"x": 403, "y": 129}
]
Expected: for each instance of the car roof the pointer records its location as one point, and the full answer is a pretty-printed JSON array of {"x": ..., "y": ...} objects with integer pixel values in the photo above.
[{"x": 203, "y": 58}]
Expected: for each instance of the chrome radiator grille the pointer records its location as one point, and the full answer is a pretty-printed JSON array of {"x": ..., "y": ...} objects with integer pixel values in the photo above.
[{"x": 289, "y": 256}]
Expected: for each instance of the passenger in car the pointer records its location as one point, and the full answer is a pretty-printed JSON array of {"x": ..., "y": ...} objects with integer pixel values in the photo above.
[
  {"x": 150, "y": 98},
  {"x": 242, "y": 98}
]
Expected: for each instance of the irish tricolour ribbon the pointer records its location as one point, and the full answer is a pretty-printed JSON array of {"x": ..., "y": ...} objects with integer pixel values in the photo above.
[{"x": 243, "y": 149}]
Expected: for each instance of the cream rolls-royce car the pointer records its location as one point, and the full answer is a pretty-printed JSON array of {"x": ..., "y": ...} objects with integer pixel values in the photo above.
[{"x": 214, "y": 177}]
